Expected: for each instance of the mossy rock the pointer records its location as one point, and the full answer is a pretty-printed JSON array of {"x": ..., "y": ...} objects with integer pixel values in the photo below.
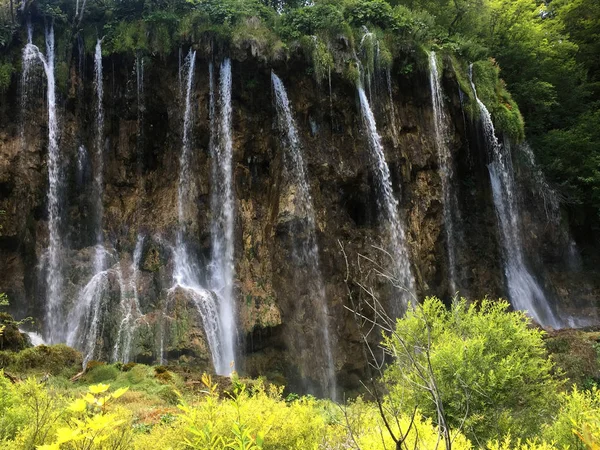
[
  {"x": 52, "y": 359},
  {"x": 576, "y": 354},
  {"x": 10, "y": 337}
]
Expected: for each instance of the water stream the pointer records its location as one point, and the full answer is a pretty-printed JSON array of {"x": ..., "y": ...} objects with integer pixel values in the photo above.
[
  {"x": 186, "y": 271},
  {"x": 222, "y": 208},
  {"x": 389, "y": 205},
  {"x": 54, "y": 281},
  {"x": 524, "y": 291},
  {"x": 306, "y": 251},
  {"x": 446, "y": 161}
]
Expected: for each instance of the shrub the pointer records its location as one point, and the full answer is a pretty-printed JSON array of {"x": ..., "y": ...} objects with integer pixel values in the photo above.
[
  {"x": 102, "y": 373},
  {"x": 577, "y": 425},
  {"x": 91, "y": 423},
  {"x": 377, "y": 13},
  {"x": 490, "y": 367}
]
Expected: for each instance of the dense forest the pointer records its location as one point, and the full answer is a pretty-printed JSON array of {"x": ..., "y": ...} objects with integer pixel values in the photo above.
[{"x": 192, "y": 259}]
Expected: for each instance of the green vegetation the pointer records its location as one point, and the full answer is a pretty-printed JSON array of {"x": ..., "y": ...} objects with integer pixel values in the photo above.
[{"x": 472, "y": 376}]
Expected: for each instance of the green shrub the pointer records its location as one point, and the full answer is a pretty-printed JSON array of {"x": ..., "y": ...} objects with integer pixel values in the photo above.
[
  {"x": 102, "y": 373},
  {"x": 367, "y": 13},
  {"x": 491, "y": 368},
  {"x": 577, "y": 424}
]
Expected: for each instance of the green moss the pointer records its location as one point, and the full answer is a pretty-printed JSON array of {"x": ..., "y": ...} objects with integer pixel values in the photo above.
[
  {"x": 351, "y": 72},
  {"x": 52, "y": 359},
  {"x": 460, "y": 70},
  {"x": 6, "y": 71},
  {"x": 491, "y": 90}
]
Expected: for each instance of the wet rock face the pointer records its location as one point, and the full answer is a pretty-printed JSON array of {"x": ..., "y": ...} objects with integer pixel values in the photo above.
[{"x": 142, "y": 147}]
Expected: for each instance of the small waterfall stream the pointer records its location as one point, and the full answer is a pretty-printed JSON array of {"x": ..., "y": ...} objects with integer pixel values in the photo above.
[
  {"x": 186, "y": 270},
  {"x": 54, "y": 280},
  {"x": 222, "y": 207},
  {"x": 87, "y": 313},
  {"x": 130, "y": 306},
  {"x": 389, "y": 205},
  {"x": 305, "y": 244},
  {"x": 524, "y": 291},
  {"x": 446, "y": 161},
  {"x": 99, "y": 255}
]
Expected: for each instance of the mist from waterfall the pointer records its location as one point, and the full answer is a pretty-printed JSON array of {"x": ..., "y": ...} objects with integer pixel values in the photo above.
[
  {"x": 524, "y": 291},
  {"x": 186, "y": 269},
  {"x": 54, "y": 278},
  {"x": 222, "y": 208},
  {"x": 306, "y": 251},
  {"x": 389, "y": 205},
  {"x": 446, "y": 170}
]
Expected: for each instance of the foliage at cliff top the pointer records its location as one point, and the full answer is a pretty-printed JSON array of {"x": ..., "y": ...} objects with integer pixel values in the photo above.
[{"x": 546, "y": 52}]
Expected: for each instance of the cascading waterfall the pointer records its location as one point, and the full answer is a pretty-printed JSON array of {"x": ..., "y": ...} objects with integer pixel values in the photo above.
[
  {"x": 523, "y": 289},
  {"x": 551, "y": 200},
  {"x": 450, "y": 201},
  {"x": 54, "y": 281},
  {"x": 87, "y": 313},
  {"x": 306, "y": 251},
  {"x": 99, "y": 255},
  {"x": 130, "y": 306},
  {"x": 186, "y": 270},
  {"x": 389, "y": 205},
  {"x": 222, "y": 207}
]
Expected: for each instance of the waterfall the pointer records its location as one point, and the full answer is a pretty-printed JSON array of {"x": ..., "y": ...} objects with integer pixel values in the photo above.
[
  {"x": 99, "y": 260},
  {"x": 551, "y": 200},
  {"x": 222, "y": 207},
  {"x": 82, "y": 163},
  {"x": 450, "y": 201},
  {"x": 524, "y": 291},
  {"x": 388, "y": 78},
  {"x": 305, "y": 244},
  {"x": 185, "y": 272},
  {"x": 389, "y": 205},
  {"x": 86, "y": 313},
  {"x": 139, "y": 73},
  {"x": 130, "y": 306},
  {"x": 54, "y": 281}
]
